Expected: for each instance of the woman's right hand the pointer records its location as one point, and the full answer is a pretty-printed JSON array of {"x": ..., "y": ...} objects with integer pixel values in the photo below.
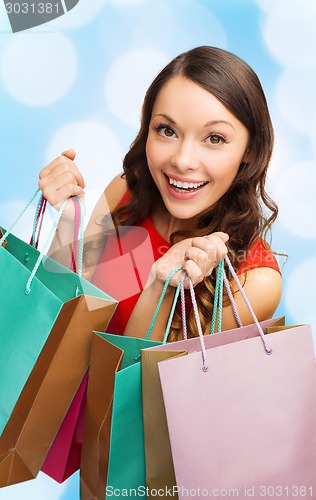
[{"x": 61, "y": 179}]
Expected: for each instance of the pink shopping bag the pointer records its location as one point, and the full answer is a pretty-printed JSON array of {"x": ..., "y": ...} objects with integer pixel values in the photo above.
[
  {"x": 63, "y": 458},
  {"x": 241, "y": 420}
]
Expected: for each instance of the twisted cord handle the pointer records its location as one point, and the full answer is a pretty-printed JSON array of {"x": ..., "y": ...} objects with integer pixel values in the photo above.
[
  {"x": 198, "y": 324},
  {"x": 78, "y": 235},
  {"x": 217, "y": 313},
  {"x": 183, "y": 307},
  {"x": 267, "y": 349},
  {"x": 8, "y": 231},
  {"x": 38, "y": 221},
  {"x": 44, "y": 249},
  {"x": 154, "y": 318},
  {"x": 218, "y": 300},
  {"x": 232, "y": 300}
]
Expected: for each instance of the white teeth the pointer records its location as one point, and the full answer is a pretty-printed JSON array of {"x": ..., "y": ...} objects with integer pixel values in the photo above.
[{"x": 185, "y": 185}]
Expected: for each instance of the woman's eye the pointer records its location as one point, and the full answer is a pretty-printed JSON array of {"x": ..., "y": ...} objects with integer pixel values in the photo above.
[
  {"x": 216, "y": 139},
  {"x": 168, "y": 132},
  {"x": 165, "y": 131}
]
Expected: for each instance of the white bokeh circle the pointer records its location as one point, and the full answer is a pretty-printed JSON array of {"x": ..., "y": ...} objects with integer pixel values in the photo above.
[
  {"x": 127, "y": 81},
  {"x": 294, "y": 191},
  {"x": 303, "y": 311},
  {"x": 289, "y": 32},
  {"x": 38, "y": 69},
  {"x": 99, "y": 153},
  {"x": 295, "y": 97},
  {"x": 83, "y": 13}
]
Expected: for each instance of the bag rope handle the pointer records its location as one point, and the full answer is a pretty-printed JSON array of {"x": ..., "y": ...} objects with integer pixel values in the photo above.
[
  {"x": 232, "y": 300},
  {"x": 53, "y": 229},
  {"x": 217, "y": 306},
  {"x": 78, "y": 230},
  {"x": 174, "y": 303},
  {"x": 78, "y": 236},
  {"x": 176, "y": 295},
  {"x": 198, "y": 322},
  {"x": 46, "y": 244},
  {"x": 8, "y": 231},
  {"x": 218, "y": 299},
  {"x": 218, "y": 302},
  {"x": 38, "y": 221},
  {"x": 267, "y": 349},
  {"x": 44, "y": 249}
]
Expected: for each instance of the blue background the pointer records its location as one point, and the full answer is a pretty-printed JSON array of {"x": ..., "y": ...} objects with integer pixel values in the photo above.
[{"x": 79, "y": 82}]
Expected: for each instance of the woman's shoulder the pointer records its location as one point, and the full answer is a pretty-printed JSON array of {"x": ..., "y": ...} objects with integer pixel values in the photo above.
[
  {"x": 116, "y": 191},
  {"x": 259, "y": 255}
]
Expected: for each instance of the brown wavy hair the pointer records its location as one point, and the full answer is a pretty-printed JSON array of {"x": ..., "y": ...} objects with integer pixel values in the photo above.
[{"x": 242, "y": 210}]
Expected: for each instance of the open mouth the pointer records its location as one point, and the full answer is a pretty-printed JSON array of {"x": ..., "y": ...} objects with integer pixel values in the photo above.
[{"x": 185, "y": 187}]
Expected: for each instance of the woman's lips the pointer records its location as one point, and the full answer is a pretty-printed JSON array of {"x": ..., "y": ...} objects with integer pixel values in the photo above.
[{"x": 184, "y": 188}]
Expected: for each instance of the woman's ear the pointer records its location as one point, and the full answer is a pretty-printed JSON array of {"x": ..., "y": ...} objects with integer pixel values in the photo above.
[{"x": 247, "y": 156}]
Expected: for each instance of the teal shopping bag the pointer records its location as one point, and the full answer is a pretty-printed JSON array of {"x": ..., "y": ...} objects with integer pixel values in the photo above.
[
  {"x": 113, "y": 456},
  {"x": 47, "y": 316},
  {"x": 112, "y": 452}
]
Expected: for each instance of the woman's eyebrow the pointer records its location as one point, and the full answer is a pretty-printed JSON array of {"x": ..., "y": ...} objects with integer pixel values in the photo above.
[
  {"x": 208, "y": 124},
  {"x": 216, "y": 122},
  {"x": 166, "y": 117}
]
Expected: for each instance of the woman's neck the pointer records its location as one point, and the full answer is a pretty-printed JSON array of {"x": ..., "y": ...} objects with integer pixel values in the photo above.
[{"x": 165, "y": 224}]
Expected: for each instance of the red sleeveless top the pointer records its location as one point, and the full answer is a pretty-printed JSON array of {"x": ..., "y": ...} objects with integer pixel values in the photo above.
[{"x": 128, "y": 256}]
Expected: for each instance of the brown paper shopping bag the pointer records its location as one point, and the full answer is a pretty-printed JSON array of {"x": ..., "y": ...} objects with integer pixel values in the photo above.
[{"x": 159, "y": 464}]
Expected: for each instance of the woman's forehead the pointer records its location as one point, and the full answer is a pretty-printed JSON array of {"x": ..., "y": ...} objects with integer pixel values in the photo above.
[{"x": 182, "y": 99}]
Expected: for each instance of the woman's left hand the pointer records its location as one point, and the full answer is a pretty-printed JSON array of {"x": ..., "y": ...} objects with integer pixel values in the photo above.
[
  {"x": 198, "y": 256},
  {"x": 204, "y": 254}
]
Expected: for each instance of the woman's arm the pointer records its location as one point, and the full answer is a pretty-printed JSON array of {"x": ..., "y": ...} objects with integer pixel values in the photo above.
[
  {"x": 107, "y": 202},
  {"x": 61, "y": 180},
  {"x": 263, "y": 287}
]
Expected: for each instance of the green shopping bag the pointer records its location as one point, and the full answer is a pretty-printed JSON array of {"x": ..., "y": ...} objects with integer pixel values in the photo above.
[
  {"x": 47, "y": 316},
  {"x": 113, "y": 456}
]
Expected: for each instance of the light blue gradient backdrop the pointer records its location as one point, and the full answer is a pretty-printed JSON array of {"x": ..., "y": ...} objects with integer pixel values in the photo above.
[{"x": 79, "y": 82}]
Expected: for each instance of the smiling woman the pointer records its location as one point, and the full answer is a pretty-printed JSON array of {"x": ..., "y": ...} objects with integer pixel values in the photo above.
[
  {"x": 194, "y": 180},
  {"x": 189, "y": 157}
]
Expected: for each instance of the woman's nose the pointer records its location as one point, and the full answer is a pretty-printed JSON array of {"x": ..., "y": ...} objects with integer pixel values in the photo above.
[{"x": 185, "y": 156}]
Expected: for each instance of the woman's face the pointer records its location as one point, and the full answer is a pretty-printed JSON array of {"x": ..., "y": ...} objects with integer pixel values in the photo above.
[{"x": 194, "y": 147}]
